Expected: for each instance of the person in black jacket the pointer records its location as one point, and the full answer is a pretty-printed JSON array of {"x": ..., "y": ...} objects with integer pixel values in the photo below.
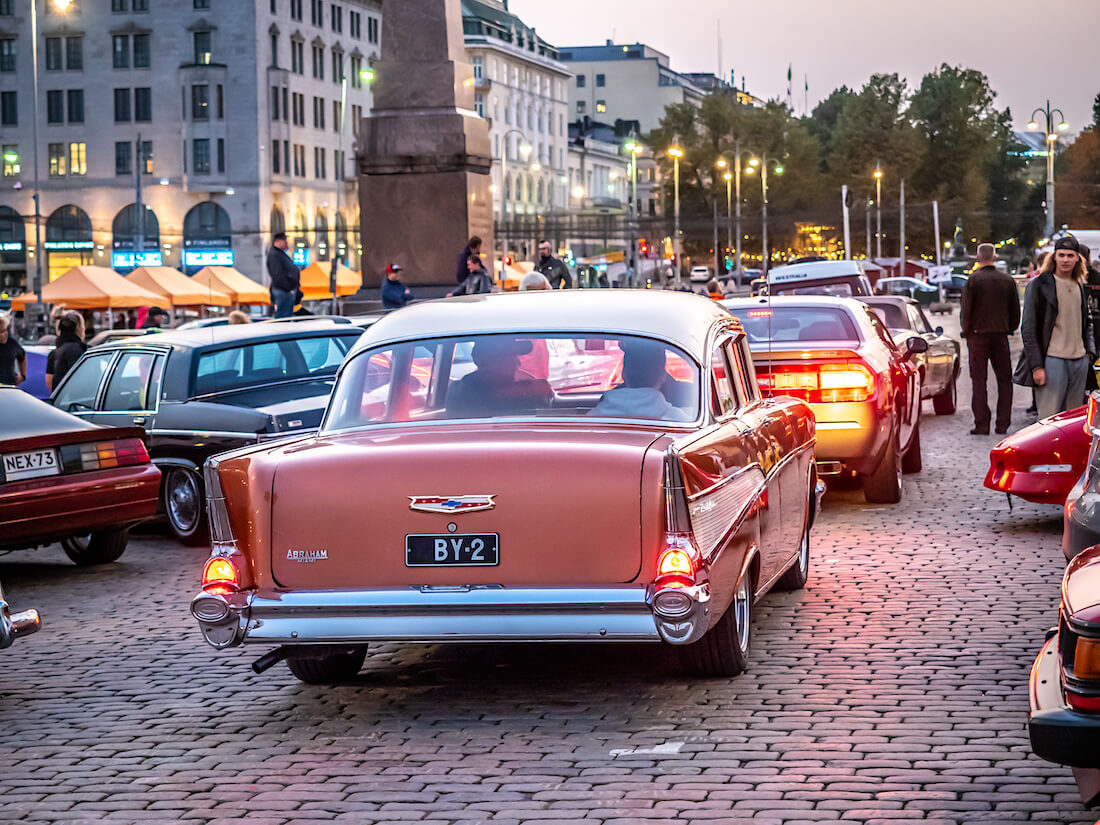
[
  {"x": 70, "y": 346},
  {"x": 1058, "y": 343},
  {"x": 394, "y": 293},
  {"x": 284, "y": 276},
  {"x": 990, "y": 313},
  {"x": 473, "y": 247},
  {"x": 555, "y": 270}
]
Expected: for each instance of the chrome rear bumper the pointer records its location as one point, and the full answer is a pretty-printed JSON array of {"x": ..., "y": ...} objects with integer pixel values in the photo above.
[
  {"x": 14, "y": 625},
  {"x": 481, "y": 613}
]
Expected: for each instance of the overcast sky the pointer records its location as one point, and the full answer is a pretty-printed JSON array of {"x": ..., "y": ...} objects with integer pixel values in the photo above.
[{"x": 1030, "y": 50}]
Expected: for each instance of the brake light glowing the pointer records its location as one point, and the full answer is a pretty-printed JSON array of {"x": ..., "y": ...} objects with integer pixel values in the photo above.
[
  {"x": 675, "y": 562},
  {"x": 821, "y": 383},
  {"x": 678, "y": 563},
  {"x": 219, "y": 576},
  {"x": 103, "y": 455},
  {"x": 760, "y": 313},
  {"x": 1084, "y": 704}
]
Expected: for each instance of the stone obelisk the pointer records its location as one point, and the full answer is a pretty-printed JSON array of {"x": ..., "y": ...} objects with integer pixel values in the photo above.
[{"x": 423, "y": 154}]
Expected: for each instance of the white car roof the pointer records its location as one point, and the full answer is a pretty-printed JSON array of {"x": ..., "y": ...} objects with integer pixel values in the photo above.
[{"x": 814, "y": 270}]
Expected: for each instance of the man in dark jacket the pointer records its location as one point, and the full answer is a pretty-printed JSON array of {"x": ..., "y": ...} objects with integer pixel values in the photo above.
[
  {"x": 394, "y": 293},
  {"x": 990, "y": 313},
  {"x": 1057, "y": 332},
  {"x": 1092, "y": 289},
  {"x": 156, "y": 319},
  {"x": 477, "y": 279},
  {"x": 555, "y": 270},
  {"x": 473, "y": 247},
  {"x": 70, "y": 346},
  {"x": 285, "y": 279}
]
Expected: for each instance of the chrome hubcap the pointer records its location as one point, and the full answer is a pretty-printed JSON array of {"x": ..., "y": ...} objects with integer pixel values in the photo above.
[
  {"x": 804, "y": 554},
  {"x": 182, "y": 500},
  {"x": 741, "y": 606}
]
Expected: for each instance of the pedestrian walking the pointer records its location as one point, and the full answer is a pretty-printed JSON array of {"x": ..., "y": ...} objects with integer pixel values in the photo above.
[
  {"x": 555, "y": 270},
  {"x": 155, "y": 319},
  {"x": 394, "y": 293},
  {"x": 70, "y": 346},
  {"x": 990, "y": 313},
  {"x": 477, "y": 280},
  {"x": 285, "y": 279},
  {"x": 1057, "y": 332},
  {"x": 13, "y": 358},
  {"x": 473, "y": 247}
]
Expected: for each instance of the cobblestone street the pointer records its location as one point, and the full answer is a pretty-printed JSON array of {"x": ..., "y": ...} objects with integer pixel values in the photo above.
[{"x": 894, "y": 688}]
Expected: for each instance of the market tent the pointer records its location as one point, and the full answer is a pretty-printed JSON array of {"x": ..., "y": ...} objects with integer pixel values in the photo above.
[
  {"x": 176, "y": 289},
  {"x": 96, "y": 287},
  {"x": 240, "y": 288},
  {"x": 19, "y": 302},
  {"x": 315, "y": 281}
]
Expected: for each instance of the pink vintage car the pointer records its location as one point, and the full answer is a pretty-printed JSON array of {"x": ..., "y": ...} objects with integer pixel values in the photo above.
[{"x": 465, "y": 486}]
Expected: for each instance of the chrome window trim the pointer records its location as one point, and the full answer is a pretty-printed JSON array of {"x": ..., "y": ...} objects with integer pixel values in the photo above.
[
  {"x": 113, "y": 355},
  {"x": 160, "y": 363}
]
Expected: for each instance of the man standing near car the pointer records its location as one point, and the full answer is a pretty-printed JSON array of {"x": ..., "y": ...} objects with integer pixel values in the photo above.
[
  {"x": 555, "y": 270},
  {"x": 1057, "y": 332},
  {"x": 13, "y": 358},
  {"x": 990, "y": 313},
  {"x": 284, "y": 275}
]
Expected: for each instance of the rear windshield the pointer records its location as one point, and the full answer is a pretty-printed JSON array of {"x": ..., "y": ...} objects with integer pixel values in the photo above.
[
  {"x": 844, "y": 286},
  {"x": 891, "y": 315},
  {"x": 269, "y": 362},
  {"x": 796, "y": 324},
  {"x": 488, "y": 376}
]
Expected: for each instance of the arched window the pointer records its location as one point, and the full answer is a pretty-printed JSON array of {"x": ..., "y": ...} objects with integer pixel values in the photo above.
[
  {"x": 301, "y": 228},
  {"x": 124, "y": 228},
  {"x": 507, "y": 188},
  {"x": 277, "y": 221},
  {"x": 320, "y": 226},
  {"x": 69, "y": 224},
  {"x": 13, "y": 237},
  {"x": 206, "y": 223}
]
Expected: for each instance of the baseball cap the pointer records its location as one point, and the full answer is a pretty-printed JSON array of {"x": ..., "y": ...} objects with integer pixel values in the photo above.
[
  {"x": 391, "y": 268},
  {"x": 156, "y": 311},
  {"x": 1068, "y": 242}
]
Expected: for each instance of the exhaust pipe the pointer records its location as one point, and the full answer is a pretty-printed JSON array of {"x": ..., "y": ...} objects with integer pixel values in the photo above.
[{"x": 272, "y": 658}]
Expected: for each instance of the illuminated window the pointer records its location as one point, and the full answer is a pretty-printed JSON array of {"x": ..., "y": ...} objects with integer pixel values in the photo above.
[
  {"x": 11, "y": 160},
  {"x": 56, "y": 154},
  {"x": 601, "y": 106},
  {"x": 77, "y": 163}
]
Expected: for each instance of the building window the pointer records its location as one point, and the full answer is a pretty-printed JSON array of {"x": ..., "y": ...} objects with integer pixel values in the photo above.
[
  {"x": 147, "y": 156},
  {"x": 319, "y": 170},
  {"x": 11, "y": 160},
  {"x": 299, "y": 109},
  {"x": 56, "y": 154},
  {"x": 356, "y": 116},
  {"x": 273, "y": 9},
  {"x": 339, "y": 162},
  {"x": 7, "y": 55},
  {"x": 221, "y": 156},
  {"x": 55, "y": 107},
  {"x": 202, "y": 4},
  {"x": 74, "y": 53},
  {"x": 372, "y": 29},
  {"x": 601, "y": 106},
  {"x": 479, "y": 103},
  {"x": 319, "y": 62},
  {"x": 200, "y": 157},
  {"x": 299, "y": 160},
  {"x": 120, "y": 51},
  {"x": 119, "y": 5},
  {"x": 297, "y": 56},
  {"x": 143, "y": 104},
  {"x": 286, "y": 157},
  {"x": 580, "y": 107},
  {"x": 123, "y": 154},
  {"x": 336, "y": 13},
  {"x": 275, "y": 51},
  {"x": 356, "y": 78},
  {"x": 53, "y": 54},
  {"x": 354, "y": 24},
  {"x": 317, "y": 12},
  {"x": 274, "y": 102},
  {"x": 337, "y": 114},
  {"x": 275, "y": 159},
  {"x": 140, "y": 5},
  {"x": 141, "y": 51},
  {"x": 9, "y": 109},
  {"x": 479, "y": 65},
  {"x": 77, "y": 162},
  {"x": 296, "y": 10},
  {"x": 200, "y": 102},
  {"x": 318, "y": 113},
  {"x": 203, "y": 53},
  {"x": 601, "y": 80},
  {"x": 76, "y": 107},
  {"x": 6, "y": 8},
  {"x": 580, "y": 81},
  {"x": 122, "y": 105}
]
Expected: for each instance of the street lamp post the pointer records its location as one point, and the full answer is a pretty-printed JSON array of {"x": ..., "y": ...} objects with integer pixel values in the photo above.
[
  {"x": 634, "y": 148},
  {"x": 1052, "y": 138},
  {"x": 728, "y": 177},
  {"x": 878, "y": 211},
  {"x": 675, "y": 152},
  {"x": 763, "y": 163}
]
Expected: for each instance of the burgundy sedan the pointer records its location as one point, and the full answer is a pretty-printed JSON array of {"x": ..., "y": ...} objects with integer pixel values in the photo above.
[
  {"x": 68, "y": 480},
  {"x": 1041, "y": 463}
]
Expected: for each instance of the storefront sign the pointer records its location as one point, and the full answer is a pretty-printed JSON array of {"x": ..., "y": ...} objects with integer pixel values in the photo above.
[
  {"x": 208, "y": 257},
  {"x": 301, "y": 256},
  {"x": 63, "y": 245},
  {"x": 123, "y": 260},
  {"x": 11, "y": 246}
]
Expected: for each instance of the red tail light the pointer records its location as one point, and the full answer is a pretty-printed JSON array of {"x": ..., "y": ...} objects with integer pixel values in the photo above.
[
  {"x": 220, "y": 576},
  {"x": 820, "y": 383},
  {"x": 103, "y": 455},
  {"x": 1092, "y": 418},
  {"x": 678, "y": 563},
  {"x": 1083, "y": 704}
]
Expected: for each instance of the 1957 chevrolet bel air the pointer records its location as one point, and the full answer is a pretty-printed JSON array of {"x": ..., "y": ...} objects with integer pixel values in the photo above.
[{"x": 465, "y": 487}]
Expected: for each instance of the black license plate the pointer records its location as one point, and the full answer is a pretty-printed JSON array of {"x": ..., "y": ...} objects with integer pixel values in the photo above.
[{"x": 452, "y": 550}]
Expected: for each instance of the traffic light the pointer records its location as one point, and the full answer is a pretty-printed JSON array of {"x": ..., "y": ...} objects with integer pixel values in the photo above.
[
  {"x": 508, "y": 260},
  {"x": 643, "y": 246}
]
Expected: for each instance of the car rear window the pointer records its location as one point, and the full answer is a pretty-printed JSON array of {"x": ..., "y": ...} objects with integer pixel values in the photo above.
[
  {"x": 892, "y": 315},
  {"x": 796, "y": 324},
  {"x": 268, "y": 362},
  {"x": 527, "y": 376}
]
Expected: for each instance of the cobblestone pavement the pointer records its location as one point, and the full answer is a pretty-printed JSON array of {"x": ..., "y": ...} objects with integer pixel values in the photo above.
[{"x": 893, "y": 689}]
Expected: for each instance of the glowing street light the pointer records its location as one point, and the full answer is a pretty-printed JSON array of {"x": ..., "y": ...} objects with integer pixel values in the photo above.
[
  {"x": 675, "y": 152},
  {"x": 1052, "y": 130}
]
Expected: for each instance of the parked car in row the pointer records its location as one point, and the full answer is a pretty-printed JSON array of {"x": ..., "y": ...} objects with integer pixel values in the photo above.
[
  {"x": 1064, "y": 722},
  {"x": 69, "y": 480},
  {"x": 865, "y": 390},
  {"x": 939, "y": 366},
  {"x": 1042, "y": 462},
  {"x": 836, "y": 278},
  {"x": 504, "y": 501},
  {"x": 14, "y": 625},
  {"x": 201, "y": 391},
  {"x": 924, "y": 294},
  {"x": 1082, "y": 511}
]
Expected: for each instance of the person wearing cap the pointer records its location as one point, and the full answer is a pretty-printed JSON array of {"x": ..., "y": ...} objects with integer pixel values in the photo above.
[
  {"x": 155, "y": 319},
  {"x": 394, "y": 293},
  {"x": 285, "y": 279},
  {"x": 1057, "y": 332},
  {"x": 990, "y": 313}
]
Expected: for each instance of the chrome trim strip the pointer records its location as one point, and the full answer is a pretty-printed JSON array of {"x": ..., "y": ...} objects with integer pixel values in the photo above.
[{"x": 206, "y": 434}]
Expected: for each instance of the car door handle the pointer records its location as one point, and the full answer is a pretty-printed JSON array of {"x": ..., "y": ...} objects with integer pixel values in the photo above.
[{"x": 138, "y": 419}]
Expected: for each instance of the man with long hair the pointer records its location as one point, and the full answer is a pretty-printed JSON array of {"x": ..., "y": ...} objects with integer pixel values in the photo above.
[{"x": 1057, "y": 332}]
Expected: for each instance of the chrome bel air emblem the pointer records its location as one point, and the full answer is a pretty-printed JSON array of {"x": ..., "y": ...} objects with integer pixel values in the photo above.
[{"x": 451, "y": 504}]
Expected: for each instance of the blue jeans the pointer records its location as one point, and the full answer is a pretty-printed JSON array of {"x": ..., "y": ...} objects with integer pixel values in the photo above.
[
  {"x": 283, "y": 302},
  {"x": 1065, "y": 386}
]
